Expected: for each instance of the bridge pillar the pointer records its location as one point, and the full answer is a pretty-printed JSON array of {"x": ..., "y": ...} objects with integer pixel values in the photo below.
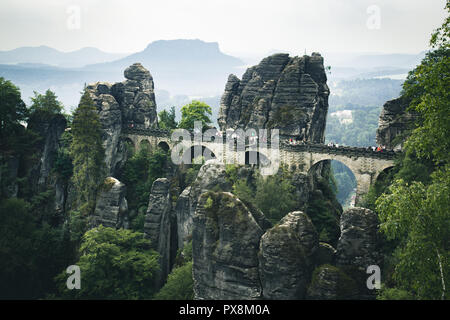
[{"x": 363, "y": 182}]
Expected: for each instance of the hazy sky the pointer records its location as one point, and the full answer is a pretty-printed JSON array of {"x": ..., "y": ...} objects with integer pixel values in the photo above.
[{"x": 242, "y": 27}]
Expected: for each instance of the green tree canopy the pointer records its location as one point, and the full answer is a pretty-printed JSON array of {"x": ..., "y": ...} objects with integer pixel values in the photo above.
[
  {"x": 179, "y": 285},
  {"x": 167, "y": 119},
  {"x": 416, "y": 212},
  {"x": 45, "y": 103},
  {"x": 12, "y": 112},
  {"x": 427, "y": 87},
  {"x": 114, "y": 264},
  {"x": 195, "y": 111},
  {"x": 419, "y": 217},
  {"x": 87, "y": 151}
]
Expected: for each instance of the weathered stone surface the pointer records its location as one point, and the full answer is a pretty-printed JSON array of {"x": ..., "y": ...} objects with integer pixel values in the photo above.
[
  {"x": 40, "y": 174},
  {"x": 212, "y": 175},
  {"x": 124, "y": 105},
  {"x": 358, "y": 244},
  {"x": 111, "y": 121},
  {"x": 394, "y": 120},
  {"x": 331, "y": 283},
  {"x": 50, "y": 132},
  {"x": 325, "y": 254},
  {"x": 160, "y": 225},
  {"x": 225, "y": 243},
  {"x": 289, "y": 93},
  {"x": 138, "y": 106},
  {"x": 286, "y": 257},
  {"x": 111, "y": 209}
]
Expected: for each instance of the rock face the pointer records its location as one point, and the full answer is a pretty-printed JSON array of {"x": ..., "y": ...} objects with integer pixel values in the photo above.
[
  {"x": 110, "y": 114},
  {"x": 358, "y": 245},
  {"x": 394, "y": 120},
  {"x": 225, "y": 243},
  {"x": 111, "y": 209},
  {"x": 211, "y": 175},
  {"x": 286, "y": 257},
  {"x": 50, "y": 132},
  {"x": 331, "y": 283},
  {"x": 137, "y": 98},
  {"x": 160, "y": 225},
  {"x": 41, "y": 176},
  {"x": 289, "y": 93},
  {"x": 124, "y": 105}
]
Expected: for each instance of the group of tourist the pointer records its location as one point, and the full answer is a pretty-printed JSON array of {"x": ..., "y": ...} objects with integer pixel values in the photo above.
[
  {"x": 377, "y": 149},
  {"x": 295, "y": 141}
]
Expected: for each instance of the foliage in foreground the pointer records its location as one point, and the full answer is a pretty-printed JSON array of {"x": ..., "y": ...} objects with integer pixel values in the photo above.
[{"x": 114, "y": 264}]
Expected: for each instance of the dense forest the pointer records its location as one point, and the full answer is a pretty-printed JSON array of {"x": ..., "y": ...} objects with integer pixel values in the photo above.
[{"x": 38, "y": 242}]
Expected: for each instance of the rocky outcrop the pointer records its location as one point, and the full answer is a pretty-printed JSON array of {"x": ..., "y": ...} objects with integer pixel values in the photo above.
[
  {"x": 212, "y": 175},
  {"x": 326, "y": 254},
  {"x": 137, "y": 98},
  {"x": 394, "y": 120},
  {"x": 289, "y": 93},
  {"x": 225, "y": 243},
  {"x": 160, "y": 226},
  {"x": 359, "y": 243},
  {"x": 124, "y": 105},
  {"x": 286, "y": 257},
  {"x": 111, "y": 209},
  {"x": 110, "y": 114},
  {"x": 49, "y": 132},
  {"x": 228, "y": 236},
  {"x": 40, "y": 172},
  {"x": 331, "y": 283}
]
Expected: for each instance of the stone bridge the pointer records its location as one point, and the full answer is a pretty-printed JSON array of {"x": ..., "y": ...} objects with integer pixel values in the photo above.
[{"x": 365, "y": 164}]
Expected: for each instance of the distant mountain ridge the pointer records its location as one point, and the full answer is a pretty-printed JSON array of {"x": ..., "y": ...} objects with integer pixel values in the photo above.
[
  {"x": 183, "y": 66},
  {"x": 50, "y": 56}
]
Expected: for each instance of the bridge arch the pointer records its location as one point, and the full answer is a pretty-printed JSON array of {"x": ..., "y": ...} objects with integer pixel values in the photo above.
[
  {"x": 145, "y": 144},
  {"x": 345, "y": 180},
  {"x": 383, "y": 171},
  {"x": 195, "y": 151},
  {"x": 362, "y": 173},
  {"x": 164, "y": 146},
  {"x": 256, "y": 158}
]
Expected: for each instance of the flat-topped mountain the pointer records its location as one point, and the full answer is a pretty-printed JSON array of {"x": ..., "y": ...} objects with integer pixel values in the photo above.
[{"x": 181, "y": 66}]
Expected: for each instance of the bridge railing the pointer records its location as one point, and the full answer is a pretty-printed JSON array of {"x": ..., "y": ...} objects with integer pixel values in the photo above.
[
  {"x": 299, "y": 147},
  {"x": 342, "y": 150},
  {"x": 151, "y": 132}
]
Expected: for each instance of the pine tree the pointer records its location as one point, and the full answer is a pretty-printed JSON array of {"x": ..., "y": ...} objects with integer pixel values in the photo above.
[{"x": 87, "y": 152}]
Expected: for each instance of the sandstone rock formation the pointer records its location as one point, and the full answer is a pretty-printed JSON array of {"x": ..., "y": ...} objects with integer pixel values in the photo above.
[
  {"x": 331, "y": 283},
  {"x": 325, "y": 254},
  {"x": 286, "y": 257},
  {"x": 160, "y": 226},
  {"x": 394, "y": 120},
  {"x": 111, "y": 209},
  {"x": 49, "y": 132},
  {"x": 289, "y": 93},
  {"x": 212, "y": 175},
  {"x": 124, "y": 105},
  {"x": 41, "y": 176},
  {"x": 225, "y": 243},
  {"x": 359, "y": 242}
]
